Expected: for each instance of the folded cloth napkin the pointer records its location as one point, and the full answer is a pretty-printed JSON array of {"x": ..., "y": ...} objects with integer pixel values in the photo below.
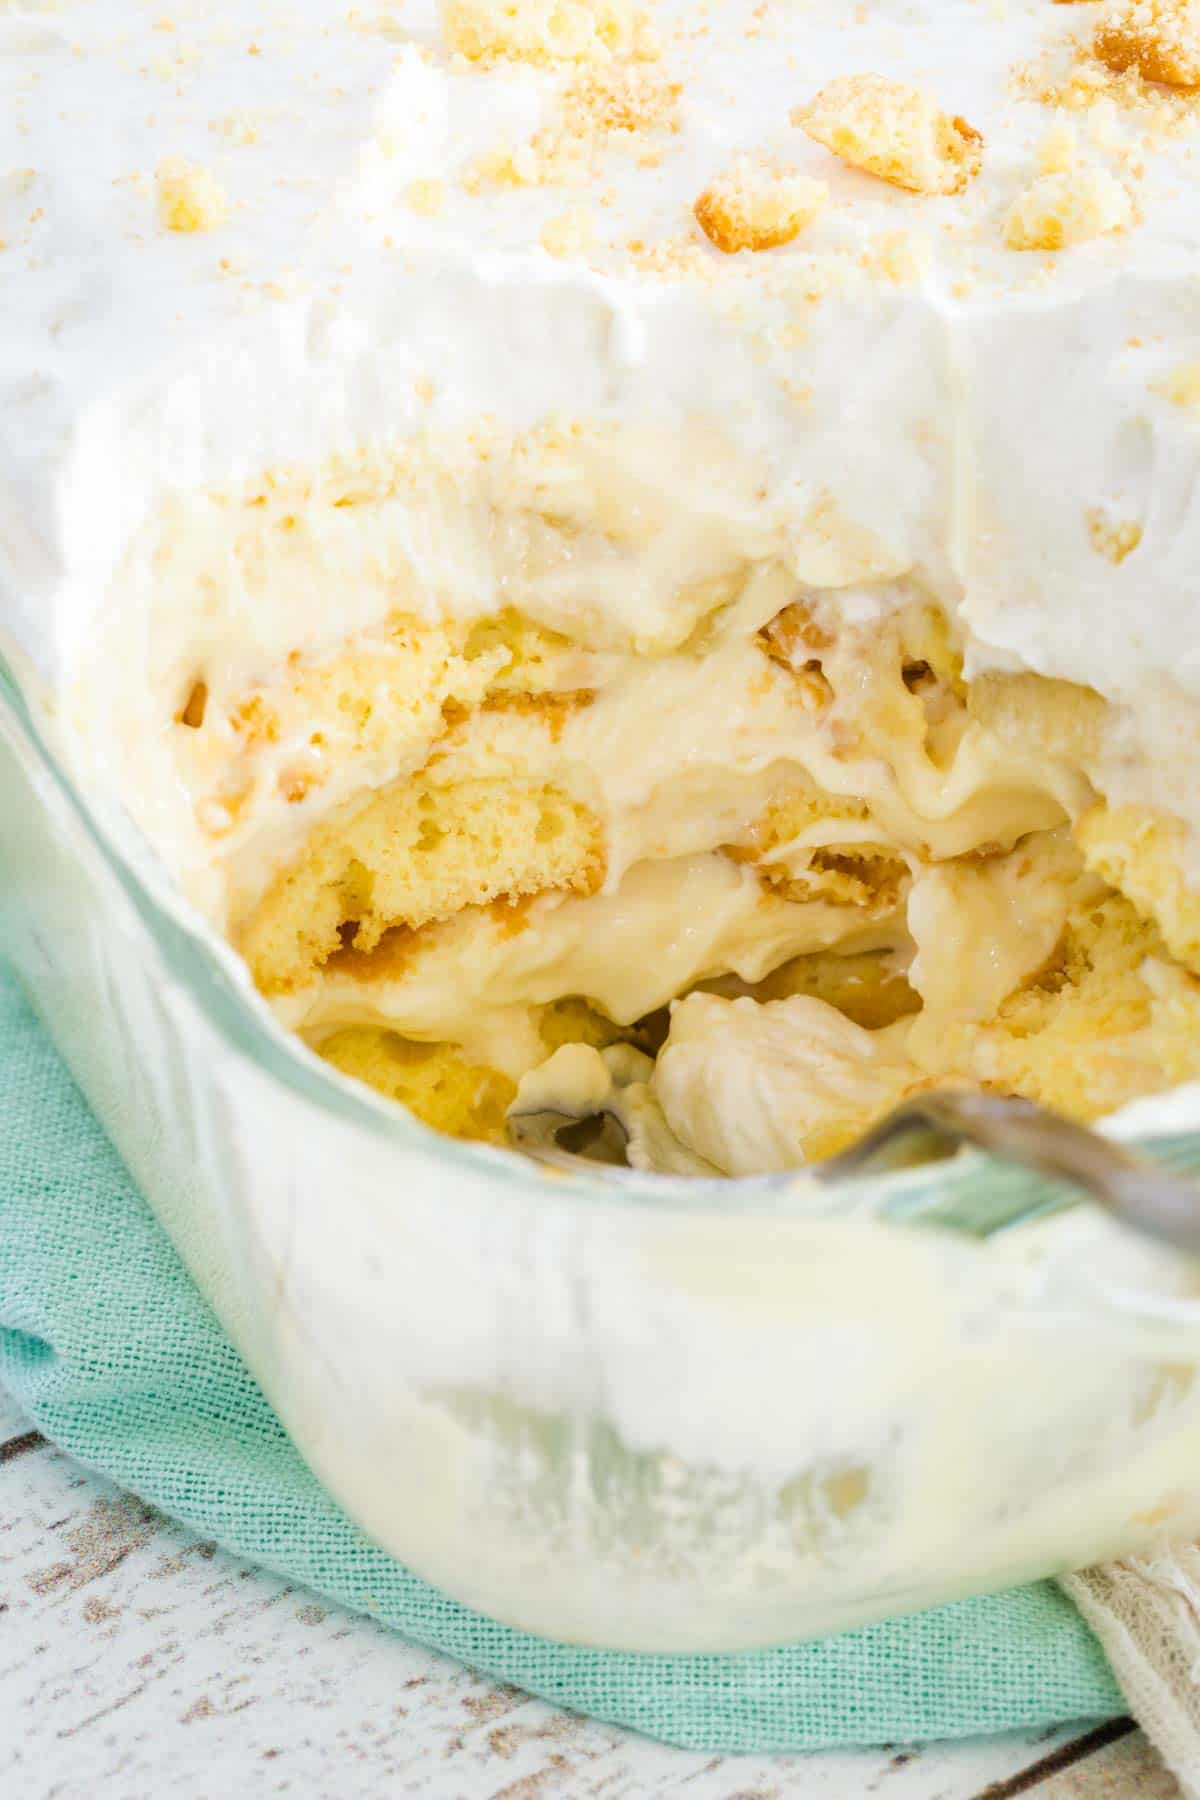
[
  {"x": 1146, "y": 1613},
  {"x": 115, "y": 1356}
]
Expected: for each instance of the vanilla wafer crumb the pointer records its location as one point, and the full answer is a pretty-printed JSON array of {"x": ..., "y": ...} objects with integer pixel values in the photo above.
[
  {"x": 189, "y": 197},
  {"x": 568, "y": 234},
  {"x": 755, "y": 209},
  {"x": 427, "y": 197},
  {"x": 1067, "y": 208},
  {"x": 1182, "y": 386},
  {"x": 544, "y": 31},
  {"x": 1160, "y": 39},
  {"x": 1112, "y": 538},
  {"x": 895, "y": 131}
]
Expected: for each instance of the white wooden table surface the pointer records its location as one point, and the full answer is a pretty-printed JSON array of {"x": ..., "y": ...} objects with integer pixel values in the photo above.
[{"x": 137, "y": 1661}]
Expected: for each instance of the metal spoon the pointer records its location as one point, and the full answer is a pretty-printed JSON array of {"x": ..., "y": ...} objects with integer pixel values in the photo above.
[{"x": 1140, "y": 1192}]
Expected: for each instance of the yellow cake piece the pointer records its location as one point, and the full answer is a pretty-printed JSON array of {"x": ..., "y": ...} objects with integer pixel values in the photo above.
[
  {"x": 446, "y": 1090},
  {"x": 1144, "y": 854},
  {"x": 414, "y": 854},
  {"x": 1108, "y": 1018},
  {"x": 751, "y": 208},
  {"x": 574, "y": 1020},
  {"x": 434, "y": 1081}
]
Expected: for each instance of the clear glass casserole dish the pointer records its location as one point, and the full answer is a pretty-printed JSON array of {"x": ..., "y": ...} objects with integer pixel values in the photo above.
[{"x": 675, "y": 1417}]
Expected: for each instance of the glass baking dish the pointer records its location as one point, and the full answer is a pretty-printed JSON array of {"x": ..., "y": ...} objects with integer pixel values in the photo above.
[{"x": 673, "y": 1416}]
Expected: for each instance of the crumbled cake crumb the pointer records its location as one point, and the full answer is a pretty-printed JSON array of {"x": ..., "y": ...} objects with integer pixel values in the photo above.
[
  {"x": 901, "y": 257},
  {"x": 544, "y": 30},
  {"x": 239, "y": 127},
  {"x": 1113, "y": 539},
  {"x": 1103, "y": 123},
  {"x": 756, "y": 209},
  {"x": 625, "y": 97},
  {"x": 568, "y": 234},
  {"x": 435, "y": 1081},
  {"x": 518, "y": 165},
  {"x": 1145, "y": 853},
  {"x": 426, "y": 197},
  {"x": 1182, "y": 386},
  {"x": 189, "y": 196},
  {"x": 194, "y": 707},
  {"x": 1056, "y": 152},
  {"x": 895, "y": 131},
  {"x": 218, "y": 817},
  {"x": 616, "y": 104},
  {"x": 678, "y": 258},
  {"x": 296, "y": 784},
  {"x": 1067, "y": 208},
  {"x": 1158, "y": 38}
]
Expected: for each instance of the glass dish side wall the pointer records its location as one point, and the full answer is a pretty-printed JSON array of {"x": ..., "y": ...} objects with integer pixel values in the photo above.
[{"x": 609, "y": 1421}]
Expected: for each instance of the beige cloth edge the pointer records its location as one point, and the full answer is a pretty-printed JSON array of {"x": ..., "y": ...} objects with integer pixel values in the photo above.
[{"x": 1146, "y": 1614}]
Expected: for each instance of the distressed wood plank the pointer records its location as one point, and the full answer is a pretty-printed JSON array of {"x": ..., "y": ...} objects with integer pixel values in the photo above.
[
  {"x": 137, "y": 1660},
  {"x": 1121, "y": 1771}
]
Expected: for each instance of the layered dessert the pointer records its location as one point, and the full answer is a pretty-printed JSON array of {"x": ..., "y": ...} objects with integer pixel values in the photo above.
[{"x": 640, "y": 549}]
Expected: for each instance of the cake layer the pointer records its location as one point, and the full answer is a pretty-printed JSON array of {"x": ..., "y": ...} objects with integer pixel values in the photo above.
[{"x": 414, "y": 855}]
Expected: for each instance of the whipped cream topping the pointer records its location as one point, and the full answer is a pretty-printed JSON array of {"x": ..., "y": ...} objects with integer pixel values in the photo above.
[{"x": 914, "y": 395}]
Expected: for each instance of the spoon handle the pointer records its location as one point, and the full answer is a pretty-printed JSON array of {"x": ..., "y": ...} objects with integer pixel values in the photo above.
[{"x": 1140, "y": 1192}]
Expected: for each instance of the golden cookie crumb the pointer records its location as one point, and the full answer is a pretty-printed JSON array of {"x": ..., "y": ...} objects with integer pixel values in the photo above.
[
  {"x": 755, "y": 209},
  {"x": 1182, "y": 386},
  {"x": 516, "y": 165},
  {"x": 240, "y": 127},
  {"x": 542, "y": 30},
  {"x": 1058, "y": 210},
  {"x": 1056, "y": 152},
  {"x": 568, "y": 234},
  {"x": 894, "y": 131},
  {"x": 616, "y": 99},
  {"x": 902, "y": 257},
  {"x": 1113, "y": 539},
  {"x": 426, "y": 197},
  {"x": 1103, "y": 123},
  {"x": 189, "y": 197},
  {"x": 1160, "y": 39}
]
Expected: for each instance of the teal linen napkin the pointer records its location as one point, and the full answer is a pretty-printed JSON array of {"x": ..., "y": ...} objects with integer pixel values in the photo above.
[{"x": 115, "y": 1356}]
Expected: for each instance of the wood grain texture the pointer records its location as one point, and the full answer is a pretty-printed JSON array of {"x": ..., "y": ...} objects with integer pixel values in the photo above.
[{"x": 136, "y": 1661}]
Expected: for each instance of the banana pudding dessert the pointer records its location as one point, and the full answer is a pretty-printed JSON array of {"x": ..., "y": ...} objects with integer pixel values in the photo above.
[{"x": 651, "y": 546}]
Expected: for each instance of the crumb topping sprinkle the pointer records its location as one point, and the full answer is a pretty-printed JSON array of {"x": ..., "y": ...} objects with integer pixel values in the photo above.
[
  {"x": 758, "y": 209},
  {"x": 1160, "y": 39},
  {"x": 328, "y": 149},
  {"x": 1066, "y": 207},
  {"x": 894, "y": 130},
  {"x": 544, "y": 31},
  {"x": 189, "y": 196}
]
